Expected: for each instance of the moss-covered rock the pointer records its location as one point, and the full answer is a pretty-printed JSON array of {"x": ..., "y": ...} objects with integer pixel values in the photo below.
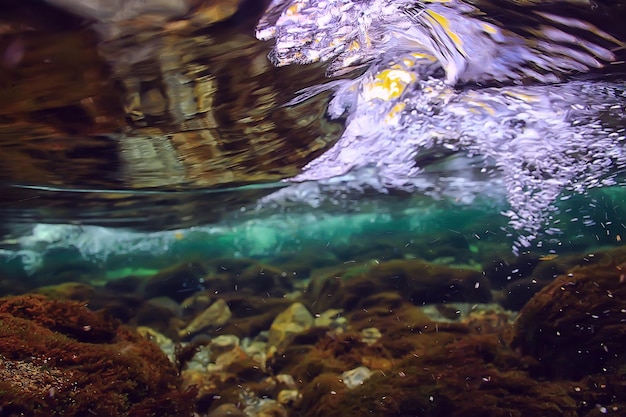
[
  {"x": 59, "y": 358},
  {"x": 417, "y": 281},
  {"x": 434, "y": 369},
  {"x": 577, "y": 324}
]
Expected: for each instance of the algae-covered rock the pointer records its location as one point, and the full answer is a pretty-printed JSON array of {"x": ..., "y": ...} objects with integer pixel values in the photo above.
[
  {"x": 577, "y": 324},
  {"x": 59, "y": 358},
  {"x": 178, "y": 281},
  {"x": 436, "y": 370},
  {"x": 417, "y": 281},
  {"x": 518, "y": 293},
  {"x": 247, "y": 277},
  {"x": 424, "y": 282}
]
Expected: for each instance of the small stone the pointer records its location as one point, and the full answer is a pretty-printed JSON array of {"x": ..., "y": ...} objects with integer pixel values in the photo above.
[
  {"x": 355, "y": 377},
  {"x": 266, "y": 408},
  {"x": 257, "y": 350},
  {"x": 288, "y": 396},
  {"x": 224, "y": 343},
  {"x": 370, "y": 335},
  {"x": 234, "y": 355},
  {"x": 289, "y": 323},
  {"x": 287, "y": 380},
  {"x": 215, "y": 316},
  {"x": 373, "y": 362},
  {"x": 201, "y": 380},
  {"x": 196, "y": 302},
  {"x": 340, "y": 324},
  {"x": 201, "y": 359},
  {"x": 165, "y": 303}
]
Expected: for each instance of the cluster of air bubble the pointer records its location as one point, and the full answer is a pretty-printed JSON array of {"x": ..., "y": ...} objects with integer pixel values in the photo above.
[
  {"x": 543, "y": 140},
  {"x": 535, "y": 141},
  {"x": 538, "y": 140}
]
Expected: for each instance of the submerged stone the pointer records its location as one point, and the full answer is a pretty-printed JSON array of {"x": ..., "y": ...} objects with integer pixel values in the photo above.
[
  {"x": 415, "y": 280},
  {"x": 355, "y": 377},
  {"x": 295, "y": 319},
  {"x": 177, "y": 281},
  {"x": 216, "y": 315}
]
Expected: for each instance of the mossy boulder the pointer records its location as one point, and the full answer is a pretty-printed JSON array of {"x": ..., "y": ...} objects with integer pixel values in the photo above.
[
  {"x": 59, "y": 358},
  {"x": 576, "y": 325},
  {"x": 418, "y": 281}
]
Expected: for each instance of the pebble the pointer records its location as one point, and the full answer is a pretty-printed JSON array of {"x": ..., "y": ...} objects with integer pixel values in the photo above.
[
  {"x": 257, "y": 350},
  {"x": 288, "y": 396},
  {"x": 370, "y": 335},
  {"x": 224, "y": 343},
  {"x": 201, "y": 359},
  {"x": 328, "y": 317},
  {"x": 287, "y": 380},
  {"x": 355, "y": 377},
  {"x": 295, "y": 319},
  {"x": 266, "y": 408},
  {"x": 222, "y": 361},
  {"x": 197, "y": 302},
  {"x": 216, "y": 315}
]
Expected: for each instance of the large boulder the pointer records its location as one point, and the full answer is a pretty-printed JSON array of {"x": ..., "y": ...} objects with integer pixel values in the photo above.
[{"x": 59, "y": 358}]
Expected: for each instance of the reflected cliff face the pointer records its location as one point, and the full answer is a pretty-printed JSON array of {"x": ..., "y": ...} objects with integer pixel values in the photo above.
[
  {"x": 157, "y": 97},
  {"x": 151, "y": 97}
]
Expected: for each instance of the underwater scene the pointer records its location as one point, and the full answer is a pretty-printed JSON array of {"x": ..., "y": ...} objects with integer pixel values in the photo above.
[{"x": 312, "y": 208}]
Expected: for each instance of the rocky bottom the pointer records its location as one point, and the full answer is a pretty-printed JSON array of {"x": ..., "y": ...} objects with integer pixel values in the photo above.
[{"x": 403, "y": 337}]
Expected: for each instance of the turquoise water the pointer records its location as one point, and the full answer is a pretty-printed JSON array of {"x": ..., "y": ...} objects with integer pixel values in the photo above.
[{"x": 327, "y": 231}]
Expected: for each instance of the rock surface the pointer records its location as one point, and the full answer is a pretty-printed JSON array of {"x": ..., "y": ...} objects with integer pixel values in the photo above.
[{"x": 576, "y": 325}]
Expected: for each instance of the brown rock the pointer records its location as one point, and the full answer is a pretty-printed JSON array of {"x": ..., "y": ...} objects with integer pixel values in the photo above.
[
  {"x": 417, "y": 281},
  {"x": 247, "y": 277},
  {"x": 214, "y": 316},
  {"x": 59, "y": 358},
  {"x": 577, "y": 324},
  {"x": 77, "y": 291},
  {"x": 177, "y": 281},
  {"x": 156, "y": 95},
  {"x": 296, "y": 319}
]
